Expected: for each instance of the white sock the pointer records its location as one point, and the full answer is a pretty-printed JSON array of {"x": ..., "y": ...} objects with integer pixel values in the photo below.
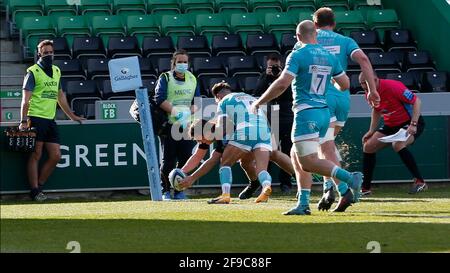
[{"x": 226, "y": 188}]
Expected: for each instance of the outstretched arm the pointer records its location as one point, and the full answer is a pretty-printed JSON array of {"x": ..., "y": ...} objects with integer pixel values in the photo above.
[
  {"x": 202, "y": 170},
  {"x": 194, "y": 160}
]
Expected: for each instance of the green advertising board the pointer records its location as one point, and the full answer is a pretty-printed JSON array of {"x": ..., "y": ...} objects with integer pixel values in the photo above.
[{"x": 101, "y": 155}]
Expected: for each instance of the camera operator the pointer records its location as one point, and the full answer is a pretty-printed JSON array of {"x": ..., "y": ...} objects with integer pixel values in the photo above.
[{"x": 283, "y": 104}]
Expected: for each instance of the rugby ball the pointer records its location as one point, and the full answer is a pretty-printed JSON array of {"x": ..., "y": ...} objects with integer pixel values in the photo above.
[{"x": 175, "y": 176}]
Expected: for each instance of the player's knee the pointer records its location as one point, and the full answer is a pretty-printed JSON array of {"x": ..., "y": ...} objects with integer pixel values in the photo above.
[
  {"x": 55, "y": 156},
  {"x": 397, "y": 146},
  {"x": 369, "y": 147}
]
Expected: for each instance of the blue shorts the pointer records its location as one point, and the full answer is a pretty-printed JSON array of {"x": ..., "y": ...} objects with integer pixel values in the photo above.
[
  {"x": 310, "y": 123},
  {"x": 339, "y": 106},
  {"x": 252, "y": 138}
]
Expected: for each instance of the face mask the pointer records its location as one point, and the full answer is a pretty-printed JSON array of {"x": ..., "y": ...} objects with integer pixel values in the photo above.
[
  {"x": 47, "y": 61},
  {"x": 181, "y": 67}
]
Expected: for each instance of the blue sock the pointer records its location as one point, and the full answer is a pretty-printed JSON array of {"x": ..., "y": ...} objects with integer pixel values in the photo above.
[
  {"x": 303, "y": 199},
  {"x": 341, "y": 174},
  {"x": 328, "y": 184},
  {"x": 264, "y": 178},
  {"x": 226, "y": 178},
  {"x": 342, "y": 188}
]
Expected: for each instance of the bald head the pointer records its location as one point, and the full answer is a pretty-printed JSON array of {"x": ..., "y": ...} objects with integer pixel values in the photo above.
[{"x": 306, "y": 31}]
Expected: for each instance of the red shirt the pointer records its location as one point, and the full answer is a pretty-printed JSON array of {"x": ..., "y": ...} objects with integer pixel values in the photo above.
[{"x": 396, "y": 102}]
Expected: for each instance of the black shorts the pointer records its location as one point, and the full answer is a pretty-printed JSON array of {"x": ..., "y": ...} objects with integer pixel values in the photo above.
[
  {"x": 386, "y": 130},
  {"x": 47, "y": 130}
]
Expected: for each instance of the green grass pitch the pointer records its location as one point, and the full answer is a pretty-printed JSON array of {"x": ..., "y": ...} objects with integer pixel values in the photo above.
[{"x": 398, "y": 221}]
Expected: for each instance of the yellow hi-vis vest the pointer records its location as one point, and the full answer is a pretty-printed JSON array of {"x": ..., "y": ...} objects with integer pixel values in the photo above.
[{"x": 180, "y": 94}]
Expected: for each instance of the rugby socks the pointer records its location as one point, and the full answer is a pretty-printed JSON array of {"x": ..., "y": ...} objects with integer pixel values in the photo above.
[
  {"x": 265, "y": 179},
  {"x": 226, "y": 179},
  {"x": 303, "y": 199},
  {"x": 342, "y": 188},
  {"x": 327, "y": 184},
  {"x": 410, "y": 163},
  {"x": 341, "y": 174},
  {"x": 369, "y": 161}
]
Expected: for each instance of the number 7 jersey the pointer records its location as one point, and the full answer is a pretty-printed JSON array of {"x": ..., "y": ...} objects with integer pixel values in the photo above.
[{"x": 312, "y": 67}]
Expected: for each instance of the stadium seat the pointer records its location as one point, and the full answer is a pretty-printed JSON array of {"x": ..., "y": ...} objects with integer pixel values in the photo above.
[
  {"x": 265, "y": 6},
  {"x": 107, "y": 26},
  {"x": 97, "y": 68},
  {"x": 152, "y": 46},
  {"x": 385, "y": 62},
  {"x": 336, "y": 5},
  {"x": 197, "y": 6},
  {"x": 61, "y": 49},
  {"x": 143, "y": 25},
  {"x": 300, "y": 5},
  {"x": 177, "y": 25},
  {"x": 300, "y": 16},
  {"x": 246, "y": 23},
  {"x": 407, "y": 79},
  {"x": 88, "y": 47},
  {"x": 147, "y": 69},
  {"x": 98, "y": 7},
  {"x": 163, "y": 7},
  {"x": 228, "y": 7},
  {"x": 419, "y": 60},
  {"x": 261, "y": 43},
  {"x": 367, "y": 40},
  {"x": 34, "y": 29},
  {"x": 230, "y": 44},
  {"x": 365, "y": 5},
  {"x": 73, "y": 26},
  {"x": 84, "y": 107},
  {"x": 242, "y": 65},
  {"x": 123, "y": 46},
  {"x": 19, "y": 9},
  {"x": 129, "y": 7},
  {"x": 70, "y": 69},
  {"x": 355, "y": 87},
  {"x": 208, "y": 66},
  {"x": 78, "y": 89},
  {"x": 279, "y": 23},
  {"x": 348, "y": 21},
  {"x": 150, "y": 84},
  {"x": 211, "y": 24},
  {"x": 107, "y": 94},
  {"x": 59, "y": 7},
  {"x": 248, "y": 84},
  {"x": 382, "y": 20},
  {"x": 436, "y": 81},
  {"x": 288, "y": 41},
  {"x": 399, "y": 39},
  {"x": 194, "y": 45},
  {"x": 161, "y": 64}
]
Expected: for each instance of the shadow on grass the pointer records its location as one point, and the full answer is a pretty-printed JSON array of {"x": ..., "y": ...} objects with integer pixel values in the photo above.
[{"x": 131, "y": 235}]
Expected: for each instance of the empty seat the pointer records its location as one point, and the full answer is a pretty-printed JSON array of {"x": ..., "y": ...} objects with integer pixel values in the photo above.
[
  {"x": 61, "y": 49},
  {"x": 365, "y": 5},
  {"x": 231, "y": 6},
  {"x": 59, "y": 7},
  {"x": 84, "y": 107},
  {"x": 123, "y": 46},
  {"x": 262, "y": 43},
  {"x": 348, "y": 21},
  {"x": 336, "y": 5},
  {"x": 288, "y": 41},
  {"x": 33, "y": 29},
  {"x": 385, "y": 62},
  {"x": 248, "y": 84},
  {"x": 399, "y": 39},
  {"x": 435, "y": 81},
  {"x": 70, "y": 68},
  {"x": 197, "y": 6},
  {"x": 194, "y": 45},
  {"x": 246, "y": 23},
  {"x": 246, "y": 65},
  {"x": 152, "y": 46},
  {"x": 90, "y": 46},
  {"x": 227, "y": 44},
  {"x": 147, "y": 69},
  {"x": 96, "y": 68},
  {"x": 407, "y": 79},
  {"x": 211, "y": 24},
  {"x": 161, "y": 64},
  {"x": 73, "y": 26},
  {"x": 265, "y": 6},
  {"x": 367, "y": 40},
  {"x": 129, "y": 7},
  {"x": 209, "y": 66},
  {"x": 86, "y": 89},
  {"x": 382, "y": 20},
  {"x": 419, "y": 60},
  {"x": 300, "y": 5},
  {"x": 19, "y": 9},
  {"x": 98, "y": 7},
  {"x": 107, "y": 26},
  {"x": 177, "y": 25},
  {"x": 140, "y": 25},
  {"x": 107, "y": 93},
  {"x": 163, "y": 7}
]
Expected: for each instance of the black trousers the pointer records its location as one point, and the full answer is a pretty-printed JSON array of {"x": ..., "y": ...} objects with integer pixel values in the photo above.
[
  {"x": 175, "y": 155},
  {"x": 286, "y": 144}
]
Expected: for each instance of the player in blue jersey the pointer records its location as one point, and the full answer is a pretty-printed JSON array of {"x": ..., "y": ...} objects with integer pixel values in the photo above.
[
  {"x": 338, "y": 102},
  {"x": 244, "y": 132},
  {"x": 310, "y": 69}
]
